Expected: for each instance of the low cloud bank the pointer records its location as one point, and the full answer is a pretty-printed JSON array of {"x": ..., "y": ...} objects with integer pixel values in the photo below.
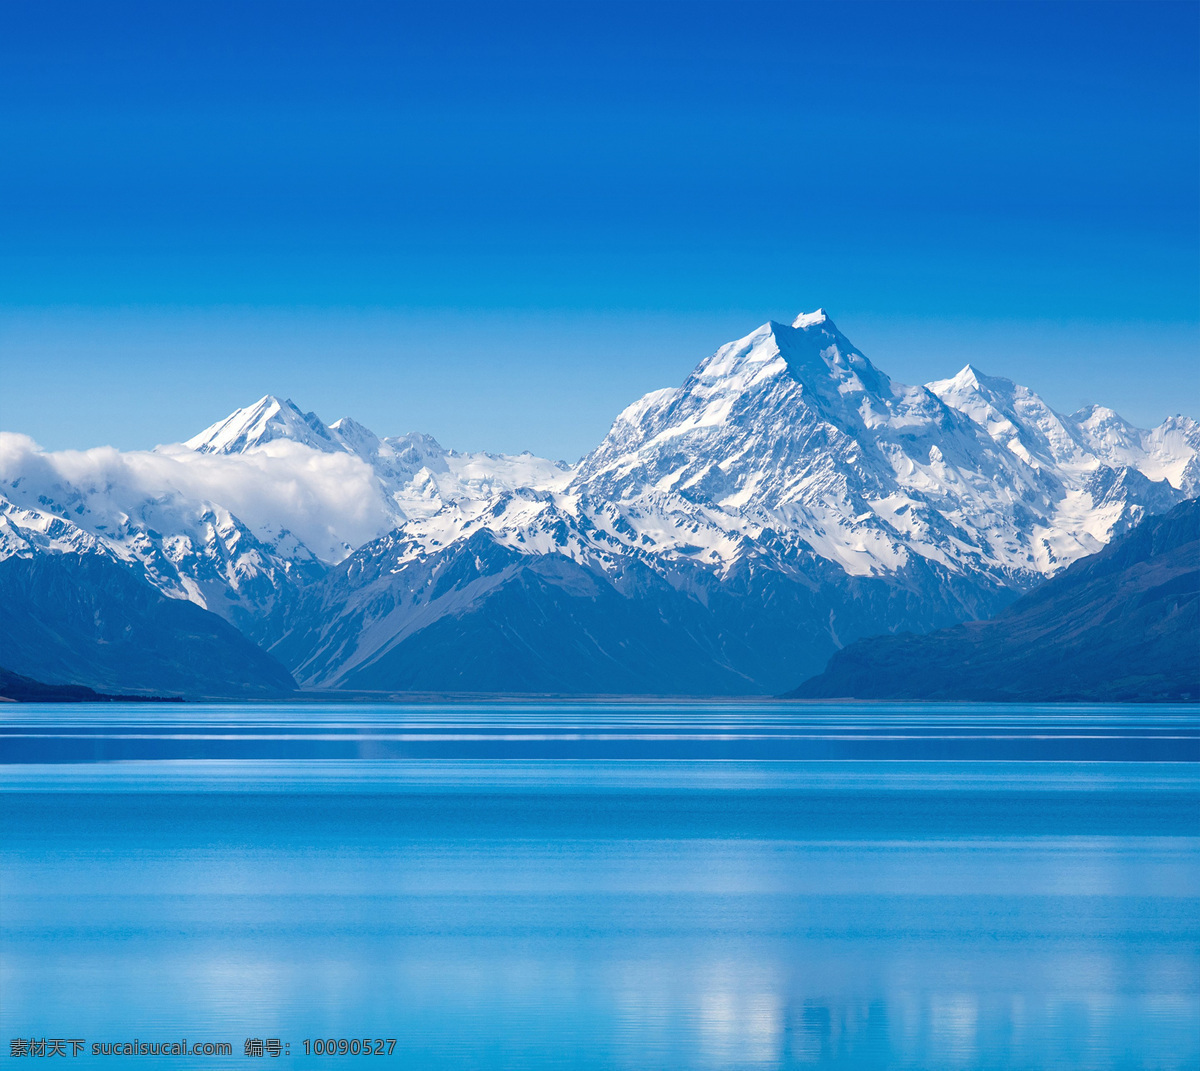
[{"x": 328, "y": 501}]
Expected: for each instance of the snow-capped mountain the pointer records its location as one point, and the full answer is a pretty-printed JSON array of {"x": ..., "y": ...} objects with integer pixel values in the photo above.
[
  {"x": 163, "y": 518},
  {"x": 263, "y": 500},
  {"x": 727, "y": 535},
  {"x": 792, "y": 431},
  {"x": 267, "y": 420},
  {"x": 787, "y": 480},
  {"x": 416, "y": 475},
  {"x": 793, "y": 428}
]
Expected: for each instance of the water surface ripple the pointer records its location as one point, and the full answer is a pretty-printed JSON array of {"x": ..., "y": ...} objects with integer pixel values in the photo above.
[{"x": 608, "y": 886}]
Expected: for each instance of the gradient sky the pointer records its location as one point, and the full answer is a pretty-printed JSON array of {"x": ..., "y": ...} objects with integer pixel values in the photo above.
[{"x": 501, "y": 224}]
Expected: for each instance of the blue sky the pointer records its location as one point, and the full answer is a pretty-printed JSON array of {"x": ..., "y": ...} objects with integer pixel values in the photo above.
[{"x": 502, "y": 223}]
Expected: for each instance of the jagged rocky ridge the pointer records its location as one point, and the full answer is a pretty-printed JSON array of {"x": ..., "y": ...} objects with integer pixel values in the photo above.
[{"x": 726, "y": 537}]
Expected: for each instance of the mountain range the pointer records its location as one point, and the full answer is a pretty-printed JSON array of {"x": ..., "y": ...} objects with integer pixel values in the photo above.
[{"x": 726, "y": 537}]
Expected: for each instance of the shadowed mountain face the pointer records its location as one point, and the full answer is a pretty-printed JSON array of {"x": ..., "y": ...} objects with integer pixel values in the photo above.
[
  {"x": 482, "y": 616},
  {"x": 82, "y": 619},
  {"x": 1121, "y": 625}
]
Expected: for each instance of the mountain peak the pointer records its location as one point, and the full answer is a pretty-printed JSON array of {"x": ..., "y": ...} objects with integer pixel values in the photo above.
[
  {"x": 813, "y": 319},
  {"x": 358, "y": 438},
  {"x": 970, "y": 380},
  {"x": 269, "y": 405},
  {"x": 1095, "y": 414},
  {"x": 254, "y": 425}
]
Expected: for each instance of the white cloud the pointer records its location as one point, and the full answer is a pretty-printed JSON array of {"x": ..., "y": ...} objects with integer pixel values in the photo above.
[{"x": 328, "y": 501}]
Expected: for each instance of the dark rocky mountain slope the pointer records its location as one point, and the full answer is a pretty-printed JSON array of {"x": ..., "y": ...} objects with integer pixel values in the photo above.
[
  {"x": 1122, "y": 625},
  {"x": 14, "y": 688},
  {"x": 83, "y": 619}
]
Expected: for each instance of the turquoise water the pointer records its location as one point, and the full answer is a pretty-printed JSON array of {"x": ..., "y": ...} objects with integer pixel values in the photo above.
[{"x": 586, "y": 886}]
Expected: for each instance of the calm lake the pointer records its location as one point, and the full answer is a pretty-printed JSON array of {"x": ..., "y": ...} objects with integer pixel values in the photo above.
[{"x": 606, "y": 886}]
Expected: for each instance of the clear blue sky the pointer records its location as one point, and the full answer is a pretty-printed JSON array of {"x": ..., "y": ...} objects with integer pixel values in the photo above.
[{"x": 502, "y": 223}]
